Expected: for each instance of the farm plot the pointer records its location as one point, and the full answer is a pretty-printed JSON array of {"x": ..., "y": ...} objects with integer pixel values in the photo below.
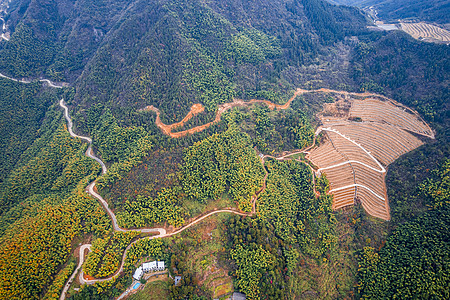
[
  {"x": 375, "y": 136},
  {"x": 386, "y": 112},
  {"x": 426, "y": 31},
  {"x": 360, "y": 142}
]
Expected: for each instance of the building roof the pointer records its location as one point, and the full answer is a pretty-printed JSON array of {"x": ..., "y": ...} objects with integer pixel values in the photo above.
[
  {"x": 177, "y": 279},
  {"x": 149, "y": 265},
  {"x": 138, "y": 273},
  {"x": 153, "y": 265},
  {"x": 146, "y": 266},
  {"x": 161, "y": 265}
]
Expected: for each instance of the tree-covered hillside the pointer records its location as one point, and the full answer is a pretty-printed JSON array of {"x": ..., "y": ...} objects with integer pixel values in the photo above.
[
  {"x": 44, "y": 207},
  {"x": 414, "y": 262},
  {"x": 22, "y": 110}
]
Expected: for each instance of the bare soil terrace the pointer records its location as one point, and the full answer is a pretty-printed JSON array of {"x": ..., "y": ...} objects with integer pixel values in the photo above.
[
  {"x": 426, "y": 32},
  {"x": 365, "y": 135}
]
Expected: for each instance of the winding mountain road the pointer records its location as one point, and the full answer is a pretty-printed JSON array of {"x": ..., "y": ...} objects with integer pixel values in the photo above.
[
  {"x": 80, "y": 264},
  {"x": 160, "y": 235},
  {"x": 91, "y": 187},
  {"x": 161, "y": 231},
  {"x": 56, "y": 85},
  {"x": 198, "y": 108}
]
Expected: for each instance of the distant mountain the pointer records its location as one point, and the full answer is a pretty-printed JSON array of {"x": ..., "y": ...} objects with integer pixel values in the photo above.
[{"x": 425, "y": 10}]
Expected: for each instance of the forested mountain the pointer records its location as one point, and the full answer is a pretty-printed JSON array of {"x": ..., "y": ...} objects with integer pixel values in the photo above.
[
  {"x": 155, "y": 48},
  {"x": 21, "y": 120},
  {"x": 423, "y": 10},
  {"x": 272, "y": 233}
]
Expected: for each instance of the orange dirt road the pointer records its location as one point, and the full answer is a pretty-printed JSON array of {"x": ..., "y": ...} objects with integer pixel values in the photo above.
[{"x": 198, "y": 108}]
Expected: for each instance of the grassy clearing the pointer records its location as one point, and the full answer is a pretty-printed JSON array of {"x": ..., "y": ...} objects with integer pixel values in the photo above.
[
  {"x": 157, "y": 290},
  {"x": 204, "y": 260},
  {"x": 194, "y": 208},
  {"x": 223, "y": 290},
  {"x": 300, "y": 156}
]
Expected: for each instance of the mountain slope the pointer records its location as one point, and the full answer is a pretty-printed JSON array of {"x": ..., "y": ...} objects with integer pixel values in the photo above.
[
  {"x": 424, "y": 10},
  {"x": 122, "y": 56},
  {"x": 155, "y": 48}
]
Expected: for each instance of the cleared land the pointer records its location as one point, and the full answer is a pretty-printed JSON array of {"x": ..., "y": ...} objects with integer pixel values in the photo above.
[
  {"x": 426, "y": 31},
  {"x": 364, "y": 134},
  {"x": 198, "y": 108}
]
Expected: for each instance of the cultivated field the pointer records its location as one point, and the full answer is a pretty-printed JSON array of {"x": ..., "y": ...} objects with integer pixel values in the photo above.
[
  {"x": 426, "y": 31},
  {"x": 363, "y": 136}
]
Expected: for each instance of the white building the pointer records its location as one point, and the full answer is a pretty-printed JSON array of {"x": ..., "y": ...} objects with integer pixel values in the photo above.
[
  {"x": 149, "y": 266},
  {"x": 138, "y": 273},
  {"x": 160, "y": 266}
]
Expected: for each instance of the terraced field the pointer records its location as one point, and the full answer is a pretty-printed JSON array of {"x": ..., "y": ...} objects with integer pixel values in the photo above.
[
  {"x": 426, "y": 31},
  {"x": 363, "y": 136}
]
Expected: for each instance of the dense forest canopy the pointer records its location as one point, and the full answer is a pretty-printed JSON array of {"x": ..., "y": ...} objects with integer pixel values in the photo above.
[
  {"x": 276, "y": 236},
  {"x": 21, "y": 120},
  {"x": 414, "y": 261},
  {"x": 172, "y": 53}
]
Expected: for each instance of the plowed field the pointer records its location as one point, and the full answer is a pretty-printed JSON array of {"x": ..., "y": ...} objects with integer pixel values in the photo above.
[
  {"x": 363, "y": 136},
  {"x": 426, "y": 31}
]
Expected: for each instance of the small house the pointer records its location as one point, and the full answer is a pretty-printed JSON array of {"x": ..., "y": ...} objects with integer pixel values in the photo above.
[
  {"x": 160, "y": 266},
  {"x": 138, "y": 273},
  {"x": 177, "y": 280}
]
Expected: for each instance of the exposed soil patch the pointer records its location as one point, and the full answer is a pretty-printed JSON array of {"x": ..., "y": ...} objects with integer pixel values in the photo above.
[
  {"x": 339, "y": 109},
  {"x": 426, "y": 32},
  {"x": 365, "y": 135},
  {"x": 88, "y": 277}
]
